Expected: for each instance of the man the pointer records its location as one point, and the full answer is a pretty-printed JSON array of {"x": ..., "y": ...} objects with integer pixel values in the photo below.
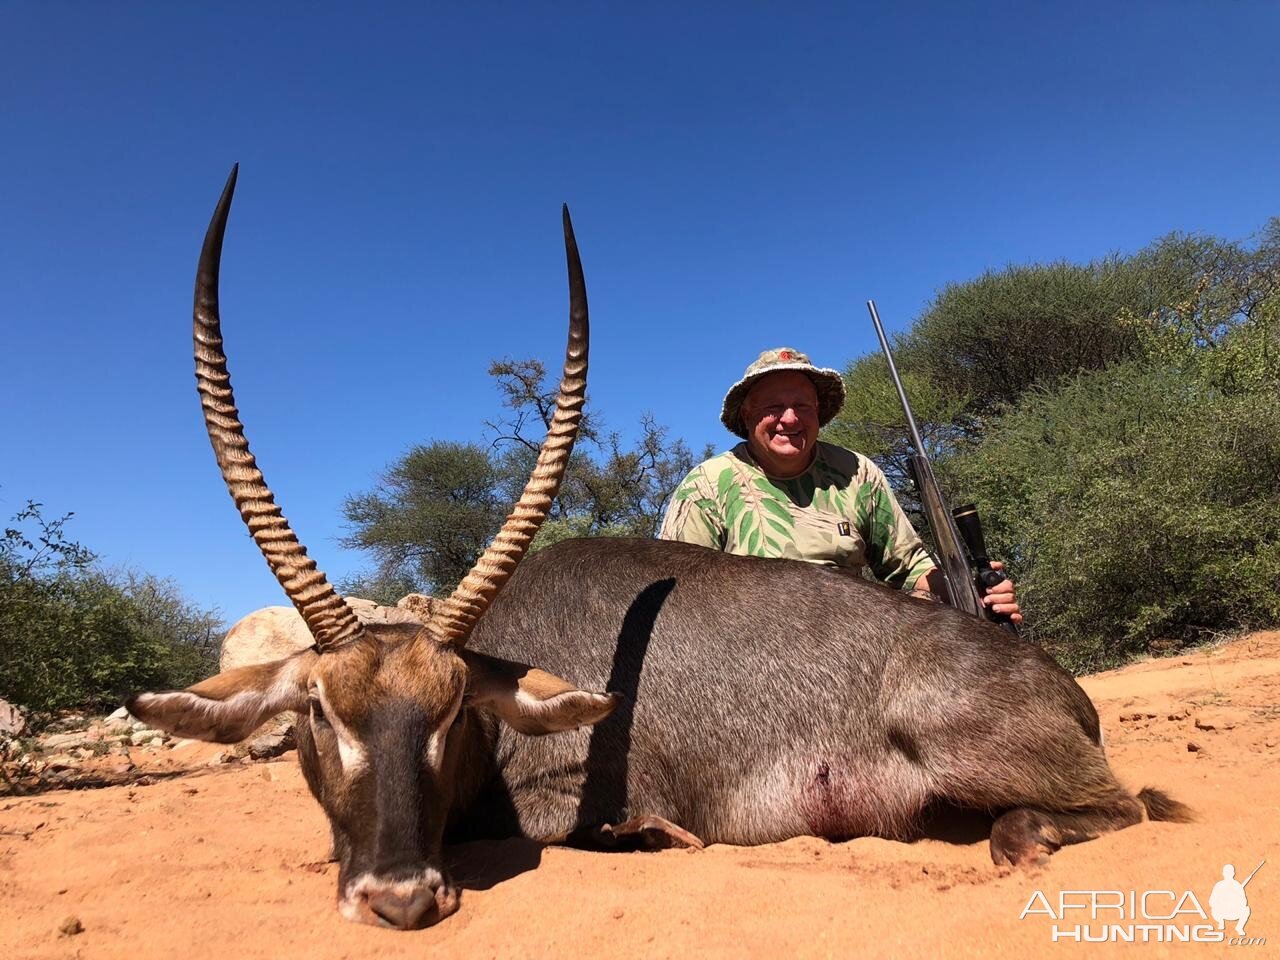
[
  {"x": 1228, "y": 901},
  {"x": 783, "y": 493}
]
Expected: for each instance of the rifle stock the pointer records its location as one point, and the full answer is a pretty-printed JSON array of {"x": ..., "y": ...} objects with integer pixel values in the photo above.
[
  {"x": 956, "y": 558},
  {"x": 961, "y": 592}
]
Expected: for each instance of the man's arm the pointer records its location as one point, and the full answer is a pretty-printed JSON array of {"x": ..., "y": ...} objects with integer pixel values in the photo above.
[{"x": 895, "y": 553}]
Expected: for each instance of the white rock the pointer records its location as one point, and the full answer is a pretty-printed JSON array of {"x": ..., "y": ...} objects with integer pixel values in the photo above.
[
  {"x": 12, "y": 720},
  {"x": 273, "y": 633},
  {"x": 121, "y": 714},
  {"x": 60, "y": 742}
]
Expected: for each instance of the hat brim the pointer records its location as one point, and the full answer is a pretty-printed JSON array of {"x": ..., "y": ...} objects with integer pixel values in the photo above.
[{"x": 827, "y": 382}]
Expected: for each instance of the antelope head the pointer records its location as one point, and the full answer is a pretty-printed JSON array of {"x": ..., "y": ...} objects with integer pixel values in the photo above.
[{"x": 386, "y": 711}]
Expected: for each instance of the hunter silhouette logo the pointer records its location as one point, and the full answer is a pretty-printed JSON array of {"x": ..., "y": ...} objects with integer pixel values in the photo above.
[
  {"x": 1149, "y": 916},
  {"x": 1229, "y": 901}
]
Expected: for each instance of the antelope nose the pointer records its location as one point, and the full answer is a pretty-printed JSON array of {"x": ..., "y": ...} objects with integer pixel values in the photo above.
[{"x": 405, "y": 911}]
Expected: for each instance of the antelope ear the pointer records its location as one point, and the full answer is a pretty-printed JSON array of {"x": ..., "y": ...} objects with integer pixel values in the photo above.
[
  {"x": 531, "y": 700},
  {"x": 229, "y": 707}
]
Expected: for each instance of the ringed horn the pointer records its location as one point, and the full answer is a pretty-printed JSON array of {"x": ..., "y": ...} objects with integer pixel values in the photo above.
[
  {"x": 327, "y": 615},
  {"x": 454, "y": 618}
]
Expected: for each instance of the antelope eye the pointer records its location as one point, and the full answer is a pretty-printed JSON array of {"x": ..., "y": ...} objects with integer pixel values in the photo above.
[{"x": 317, "y": 710}]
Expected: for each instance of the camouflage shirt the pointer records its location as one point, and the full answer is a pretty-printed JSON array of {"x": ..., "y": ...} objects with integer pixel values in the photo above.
[{"x": 839, "y": 512}]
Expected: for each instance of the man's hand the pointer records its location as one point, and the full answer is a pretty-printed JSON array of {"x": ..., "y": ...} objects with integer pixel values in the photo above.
[{"x": 1000, "y": 598}]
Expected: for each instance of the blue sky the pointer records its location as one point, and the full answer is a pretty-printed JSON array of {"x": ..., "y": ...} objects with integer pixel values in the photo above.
[{"x": 741, "y": 176}]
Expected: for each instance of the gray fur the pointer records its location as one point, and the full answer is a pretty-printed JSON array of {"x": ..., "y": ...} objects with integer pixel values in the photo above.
[{"x": 768, "y": 699}]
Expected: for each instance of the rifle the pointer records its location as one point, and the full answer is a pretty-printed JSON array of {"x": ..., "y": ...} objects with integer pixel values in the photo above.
[
  {"x": 962, "y": 550},
  {"x": 1250, "y": 877}
]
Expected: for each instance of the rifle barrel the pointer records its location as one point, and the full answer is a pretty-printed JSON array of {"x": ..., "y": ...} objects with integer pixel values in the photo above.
[
  {"x": 1250, "y": 877},
  {"x": 897, "y": 381},
  {"x": 954, "y": 560}
]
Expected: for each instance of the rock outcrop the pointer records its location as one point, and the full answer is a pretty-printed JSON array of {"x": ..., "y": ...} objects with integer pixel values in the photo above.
[{"x": 273, "y": 633}]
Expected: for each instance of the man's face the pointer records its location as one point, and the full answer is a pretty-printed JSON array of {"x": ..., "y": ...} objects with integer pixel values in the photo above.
[{"x": 781, "y": 417}]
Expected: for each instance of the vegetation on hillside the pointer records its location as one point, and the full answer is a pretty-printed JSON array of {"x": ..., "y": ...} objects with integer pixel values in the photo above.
[
  {"x": 1118, "y": 424},
  {"x": 73, "y": 635}
]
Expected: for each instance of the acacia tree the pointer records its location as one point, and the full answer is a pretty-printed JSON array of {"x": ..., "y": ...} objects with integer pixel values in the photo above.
[
  {"x": 426, "y": 519},
  {"x": 981, "y": 344},
  {"x": 434, "y": 510},
  {"x": 984, "y": 343},
  {"x": 1225, "y": 322},
  {"x": 609, "y": 488}
]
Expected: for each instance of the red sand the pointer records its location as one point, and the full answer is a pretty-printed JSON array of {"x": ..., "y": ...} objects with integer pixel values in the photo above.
[{"x": 228, "y": 862}]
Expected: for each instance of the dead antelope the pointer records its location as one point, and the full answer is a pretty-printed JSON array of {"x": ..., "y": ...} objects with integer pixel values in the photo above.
[{"x": 753, "y": 700}]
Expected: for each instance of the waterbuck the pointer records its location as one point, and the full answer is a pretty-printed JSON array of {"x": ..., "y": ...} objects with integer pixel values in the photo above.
[{"x": 741, "y": 700}]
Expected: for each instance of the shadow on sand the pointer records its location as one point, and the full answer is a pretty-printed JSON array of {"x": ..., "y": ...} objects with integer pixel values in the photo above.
[
  {"x": 483, "y": 864},
  {"x": 956, "y": 825}
]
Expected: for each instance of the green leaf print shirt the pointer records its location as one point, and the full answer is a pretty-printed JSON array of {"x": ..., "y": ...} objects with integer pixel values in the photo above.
[{"x": 839, "y": 512}]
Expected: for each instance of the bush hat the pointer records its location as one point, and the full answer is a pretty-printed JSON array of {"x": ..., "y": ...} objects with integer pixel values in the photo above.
[{"x": 827, "y": 382}]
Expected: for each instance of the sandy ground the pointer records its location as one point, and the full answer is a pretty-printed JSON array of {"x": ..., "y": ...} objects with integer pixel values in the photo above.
[{"x": 228, "y": 861}]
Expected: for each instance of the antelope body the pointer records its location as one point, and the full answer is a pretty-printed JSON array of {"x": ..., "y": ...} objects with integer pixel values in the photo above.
[
  {"x": 766, "y": 699},
  {"x": 750, "y": 700}
]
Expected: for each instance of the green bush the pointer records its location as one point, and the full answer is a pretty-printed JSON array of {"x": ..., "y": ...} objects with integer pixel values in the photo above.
[
  {"x": 74, "y": 636},
  {"x": 1118, "y": 424},
  {"x": 1137, "y": 507}
]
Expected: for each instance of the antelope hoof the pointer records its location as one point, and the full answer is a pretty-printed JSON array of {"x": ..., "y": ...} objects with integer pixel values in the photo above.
[{"x": 648, "y": 832}]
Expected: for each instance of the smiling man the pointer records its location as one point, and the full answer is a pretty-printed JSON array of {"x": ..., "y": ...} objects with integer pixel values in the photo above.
[{"x": 784, "y": 493}]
